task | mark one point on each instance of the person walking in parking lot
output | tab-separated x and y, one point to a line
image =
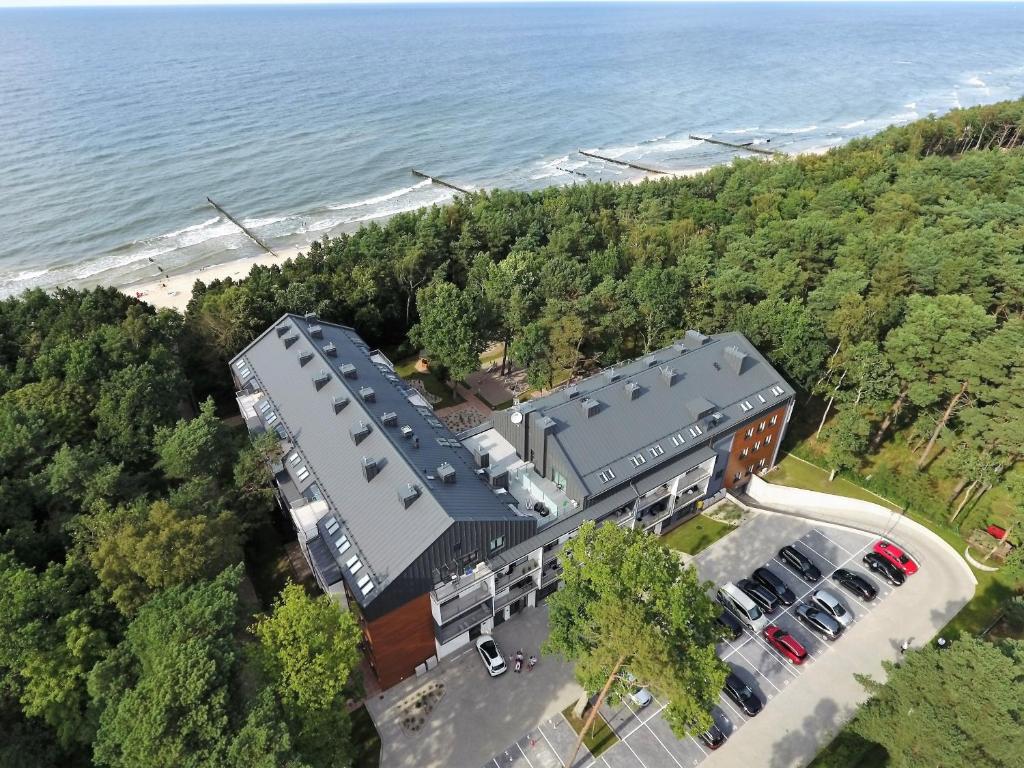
905	647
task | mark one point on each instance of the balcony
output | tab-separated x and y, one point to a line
463	623
518	571
464	602
514	594
552	572
453	587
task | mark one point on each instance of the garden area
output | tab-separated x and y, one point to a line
440	394
696	534
599	738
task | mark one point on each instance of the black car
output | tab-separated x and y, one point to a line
742	695
733	626
776	585
713	737
884	568
855	584
760	594
800	564
818	621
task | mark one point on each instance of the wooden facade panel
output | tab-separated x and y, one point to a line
748	452
400	640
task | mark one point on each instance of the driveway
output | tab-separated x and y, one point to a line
479	716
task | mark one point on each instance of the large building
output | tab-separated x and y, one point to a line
435	539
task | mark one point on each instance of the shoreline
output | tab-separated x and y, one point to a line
174	291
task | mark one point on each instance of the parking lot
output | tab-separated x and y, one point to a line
646	741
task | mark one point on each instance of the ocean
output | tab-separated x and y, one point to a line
117	123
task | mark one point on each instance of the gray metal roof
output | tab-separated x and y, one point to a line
628	433
372	520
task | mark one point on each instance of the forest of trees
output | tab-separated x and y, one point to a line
886	278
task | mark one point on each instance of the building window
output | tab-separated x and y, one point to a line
496	543
637	460
750	469
606	475
757	445
760	463
749	432
744	452
737	476
777	390
746	406
677	440
774	419
767	439
656	451
761	426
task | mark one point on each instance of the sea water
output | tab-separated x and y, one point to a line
117	123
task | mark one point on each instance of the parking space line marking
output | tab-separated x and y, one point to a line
805	546
553	750
699	745
759	673
523	752
496	763
634	753
834	543
775	655
663	745
728	703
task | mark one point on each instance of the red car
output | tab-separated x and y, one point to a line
785	643
896	556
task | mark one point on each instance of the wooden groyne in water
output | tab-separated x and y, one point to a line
636	166
745	147
251	235
442	182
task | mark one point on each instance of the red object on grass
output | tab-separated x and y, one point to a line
996	532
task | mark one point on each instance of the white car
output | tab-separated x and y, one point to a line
640	696
833	606
492	657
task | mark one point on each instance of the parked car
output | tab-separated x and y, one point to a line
785	643
855	584
640	696
775	584
713	737
830	603
818	621
727	620
897	556
742	695
493	660
884	568
744	610
800	564
760	594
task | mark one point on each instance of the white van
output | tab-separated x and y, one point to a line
742	607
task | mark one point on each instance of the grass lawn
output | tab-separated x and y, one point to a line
407	370
597	741
800	474
366	740
696	534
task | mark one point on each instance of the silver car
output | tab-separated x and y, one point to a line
830	603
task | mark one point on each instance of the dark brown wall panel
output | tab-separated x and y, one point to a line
400	640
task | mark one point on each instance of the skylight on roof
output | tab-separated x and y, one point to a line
352	561
656	451
240	364
761	398
363	580
271	417
367	588
606	475
777	390
294	458
332	526
677	439
746	406
357	567
343	544
265	406
302	474
637	460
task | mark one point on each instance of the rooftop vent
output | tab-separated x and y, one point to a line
482	457
289	340
321	379
340	401
316	331
590	406
330	349
699	407
359	431
611	374
310	317
305	356
694	339
368	394
406	431
736	359
668	375
370	468
545	424
389	419
651	361
632	390
283	329
408	493
348	371
572	391
446	472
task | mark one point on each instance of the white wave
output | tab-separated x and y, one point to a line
975	82
615	152
854	124
675	145
804	129
741	131
264	222
902	117
902	61
193	228
910	105
380	198
28	274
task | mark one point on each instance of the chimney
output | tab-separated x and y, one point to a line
330	349
590	406
368	394
316	331
283	329
408	493
289	340
310	317
735	359
632	390
348	371
339	402
305	356
389	419
370	468
321	379
483	458
668	375
447	473
694	339
359	431
611	374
